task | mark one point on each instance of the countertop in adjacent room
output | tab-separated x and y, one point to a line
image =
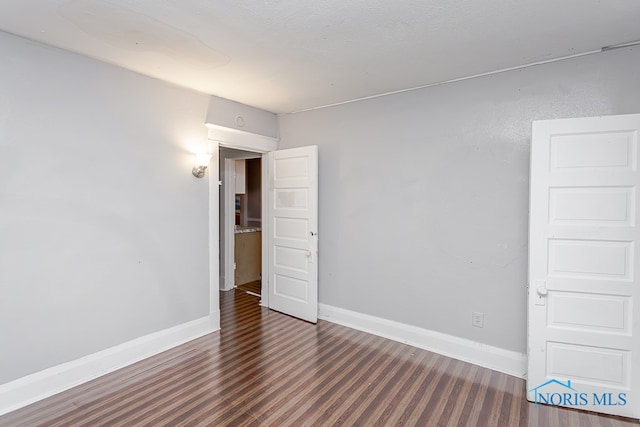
246	229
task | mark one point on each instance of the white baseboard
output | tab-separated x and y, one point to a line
26	390
497	359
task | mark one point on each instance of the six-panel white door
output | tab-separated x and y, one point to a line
583	264
293	232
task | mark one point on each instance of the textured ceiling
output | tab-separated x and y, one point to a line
290	55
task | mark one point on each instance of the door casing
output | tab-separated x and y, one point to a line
220	137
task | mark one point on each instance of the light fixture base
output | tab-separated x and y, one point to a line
198	171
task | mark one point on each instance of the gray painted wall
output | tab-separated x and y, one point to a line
103	229
424	194
233	115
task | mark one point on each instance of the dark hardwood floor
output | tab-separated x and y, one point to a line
254	287
268	369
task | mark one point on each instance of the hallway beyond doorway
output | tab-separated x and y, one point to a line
252	288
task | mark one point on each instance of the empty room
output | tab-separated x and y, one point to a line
280	213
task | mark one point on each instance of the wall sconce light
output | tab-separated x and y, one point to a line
202	161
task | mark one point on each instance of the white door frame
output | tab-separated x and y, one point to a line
226	257
219	136
214	237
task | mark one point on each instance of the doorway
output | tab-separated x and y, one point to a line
289	224
241	221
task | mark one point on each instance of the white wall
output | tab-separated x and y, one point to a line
231	115
103	229
424	194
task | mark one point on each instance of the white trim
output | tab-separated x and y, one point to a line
497	359
214	234
241	140
261	151
265	227
228	195
252	293
40	385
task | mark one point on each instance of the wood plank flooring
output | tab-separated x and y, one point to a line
255	287
268	369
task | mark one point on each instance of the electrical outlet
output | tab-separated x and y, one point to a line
477	319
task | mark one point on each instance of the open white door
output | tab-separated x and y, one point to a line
584	347
292	239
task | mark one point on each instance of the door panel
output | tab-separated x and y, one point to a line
589	312
591	206
293	244
583	265
614	149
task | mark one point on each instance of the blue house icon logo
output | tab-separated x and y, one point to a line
540	397
557	393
